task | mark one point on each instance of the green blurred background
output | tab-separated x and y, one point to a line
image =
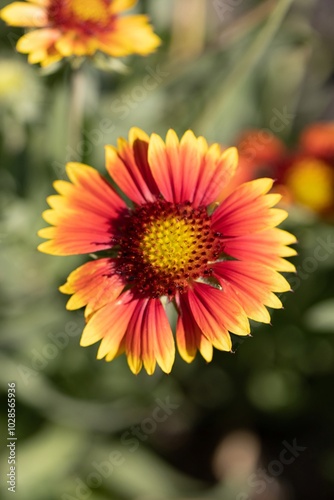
90	429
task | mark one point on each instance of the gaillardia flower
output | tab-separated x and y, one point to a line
177	244
304	175
79	28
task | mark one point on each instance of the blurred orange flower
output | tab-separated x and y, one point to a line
304	175
66	28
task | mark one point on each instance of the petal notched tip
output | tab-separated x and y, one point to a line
188	137
135	365
137	133
261	186
48	247
231	157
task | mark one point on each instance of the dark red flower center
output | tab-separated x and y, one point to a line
85	16
164	246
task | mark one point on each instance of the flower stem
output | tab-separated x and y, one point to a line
76	111
245	65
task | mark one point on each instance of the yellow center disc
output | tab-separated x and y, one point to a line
169	244
88	10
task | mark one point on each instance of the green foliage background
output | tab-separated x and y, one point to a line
237	67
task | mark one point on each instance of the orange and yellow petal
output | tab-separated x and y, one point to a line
160	333
93	285
43	3
171	164
149	339
37	56
130	35
45	57
227	311
248	210
71	44
217	171
266	248
252	285
187	170
24	14
109	325
83	214
134	340
137	326
118	6
38	40
128	166
217	314
189	336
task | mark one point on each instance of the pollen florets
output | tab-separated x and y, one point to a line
164	246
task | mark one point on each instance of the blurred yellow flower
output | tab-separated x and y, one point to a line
311	182
66	28
304	174
21	97
20	90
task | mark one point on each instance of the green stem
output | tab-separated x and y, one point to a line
76	110
244	67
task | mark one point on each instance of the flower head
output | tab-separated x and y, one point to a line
317	140
305	175
176	244
79	28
